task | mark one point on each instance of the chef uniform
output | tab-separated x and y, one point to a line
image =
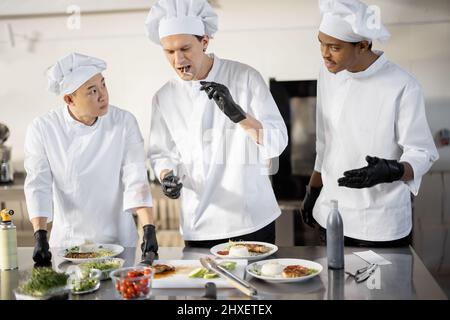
379	112
226	191
86	179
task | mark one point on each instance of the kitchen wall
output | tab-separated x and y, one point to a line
276	37
279	38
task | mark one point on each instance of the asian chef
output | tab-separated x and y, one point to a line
85	164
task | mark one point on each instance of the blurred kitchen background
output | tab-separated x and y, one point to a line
278	38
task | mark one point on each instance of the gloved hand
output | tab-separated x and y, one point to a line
41	254
171	185
149	242
378	171
224	100
312	193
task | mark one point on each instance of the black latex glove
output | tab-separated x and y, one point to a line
311	196
377	171
149	242
171	185
41	254
224	100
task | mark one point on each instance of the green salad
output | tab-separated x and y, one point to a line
83	284
84	280
102	265
43	281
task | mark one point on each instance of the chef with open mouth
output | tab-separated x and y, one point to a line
214	128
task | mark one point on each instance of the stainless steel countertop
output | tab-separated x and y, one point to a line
13	191
405	278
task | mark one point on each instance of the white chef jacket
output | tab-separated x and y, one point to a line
378	112
226	190
86	178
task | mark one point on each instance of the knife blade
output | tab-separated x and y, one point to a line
148	259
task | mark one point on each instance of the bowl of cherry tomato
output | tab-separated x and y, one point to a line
133	282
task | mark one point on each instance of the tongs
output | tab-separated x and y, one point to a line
363	273
238	283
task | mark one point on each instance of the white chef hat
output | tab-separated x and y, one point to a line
71	71
169	17
352	21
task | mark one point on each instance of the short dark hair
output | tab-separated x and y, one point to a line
355	43
199	38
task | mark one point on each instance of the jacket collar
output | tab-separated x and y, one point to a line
371	70
74	124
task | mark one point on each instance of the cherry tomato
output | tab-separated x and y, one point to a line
126	296
131	274
137	287
145	290
118	286
147	271
144	282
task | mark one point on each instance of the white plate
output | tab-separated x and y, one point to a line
250	257
115	248
285	262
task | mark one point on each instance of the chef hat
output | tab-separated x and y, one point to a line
71	71
168	17
351	21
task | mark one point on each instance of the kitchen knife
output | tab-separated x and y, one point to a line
148	259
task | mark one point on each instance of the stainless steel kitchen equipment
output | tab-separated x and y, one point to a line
6	169
240	284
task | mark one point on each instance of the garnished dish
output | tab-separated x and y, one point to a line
284	270
105	266
250	250
43	283
86	253
192	274
84	280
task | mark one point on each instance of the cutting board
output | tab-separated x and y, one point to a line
180	278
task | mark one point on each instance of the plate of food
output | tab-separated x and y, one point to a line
249	250
284	270
104	265
91	252
82	280
191	274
